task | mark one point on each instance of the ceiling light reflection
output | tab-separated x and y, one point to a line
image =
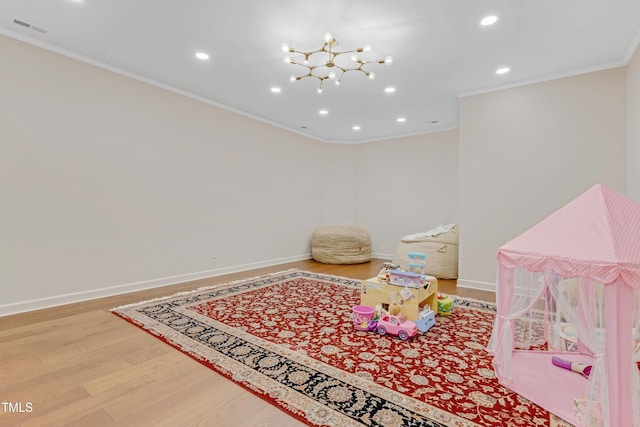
489	20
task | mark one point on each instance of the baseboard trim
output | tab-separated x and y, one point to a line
58	300
473	284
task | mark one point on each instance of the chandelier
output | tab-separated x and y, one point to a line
324	63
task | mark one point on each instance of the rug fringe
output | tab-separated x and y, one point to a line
203	288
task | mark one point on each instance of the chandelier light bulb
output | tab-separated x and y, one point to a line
292	78
354	57
332	75
338	82
371	75
327	37
388	60
287	59
366	48
285	47
319	90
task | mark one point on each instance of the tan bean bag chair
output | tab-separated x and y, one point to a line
440	244
341	244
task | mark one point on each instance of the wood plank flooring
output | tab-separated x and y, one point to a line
79	365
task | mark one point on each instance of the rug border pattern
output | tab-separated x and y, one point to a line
263	382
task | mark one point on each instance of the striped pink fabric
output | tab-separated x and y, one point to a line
597	235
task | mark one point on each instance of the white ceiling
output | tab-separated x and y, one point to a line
439	48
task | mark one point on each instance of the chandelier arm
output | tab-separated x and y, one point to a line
353	69
347	51
309	75
292	50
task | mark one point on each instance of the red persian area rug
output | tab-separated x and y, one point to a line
289	338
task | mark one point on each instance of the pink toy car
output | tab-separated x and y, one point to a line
396	325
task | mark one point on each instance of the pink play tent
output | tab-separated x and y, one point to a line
570	287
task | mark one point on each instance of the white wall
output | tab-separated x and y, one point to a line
406	185
527	151
340	184
633	127
109	185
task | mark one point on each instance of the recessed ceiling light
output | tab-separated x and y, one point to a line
401	119
356	127
390	89
489	20
323	112
202	55
276	89
503	70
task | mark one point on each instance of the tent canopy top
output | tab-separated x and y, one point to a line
597	235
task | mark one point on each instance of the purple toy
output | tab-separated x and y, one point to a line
580	368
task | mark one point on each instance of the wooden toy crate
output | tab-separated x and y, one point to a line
375	291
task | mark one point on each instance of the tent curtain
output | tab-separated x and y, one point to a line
544	310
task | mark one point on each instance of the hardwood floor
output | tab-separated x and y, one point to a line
79	365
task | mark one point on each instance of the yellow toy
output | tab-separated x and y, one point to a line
394	308
445	304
